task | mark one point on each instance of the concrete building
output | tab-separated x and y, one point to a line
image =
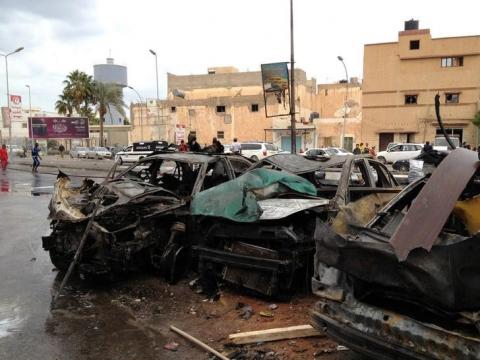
223	103
401	79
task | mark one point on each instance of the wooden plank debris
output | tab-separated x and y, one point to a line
290	332
198	342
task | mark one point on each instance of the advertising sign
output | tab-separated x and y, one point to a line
276	85
58	128
179	133
16	113
5	117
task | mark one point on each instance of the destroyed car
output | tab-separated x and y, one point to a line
265	243
406	285
139	217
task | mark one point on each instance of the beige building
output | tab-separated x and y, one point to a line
330	104
226	104
402	78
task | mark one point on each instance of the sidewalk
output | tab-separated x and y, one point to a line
54	161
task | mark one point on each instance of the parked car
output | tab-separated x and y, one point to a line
140	216
259	150
323	153
405	285
266	244
139	150
16	150
339	151
99	152
441	144
79	152
400	152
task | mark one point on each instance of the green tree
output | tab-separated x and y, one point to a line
79	88
106	96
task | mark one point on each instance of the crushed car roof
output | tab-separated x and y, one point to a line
297	164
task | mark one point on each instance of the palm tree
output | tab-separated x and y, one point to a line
64	105
106	96
79	88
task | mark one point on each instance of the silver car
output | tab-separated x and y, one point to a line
78	152
99	152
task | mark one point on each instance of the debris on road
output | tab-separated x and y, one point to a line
291	332
198	342
172	346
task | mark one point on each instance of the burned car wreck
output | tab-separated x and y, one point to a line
139	217
268	246
406	285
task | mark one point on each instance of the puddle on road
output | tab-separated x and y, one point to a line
10	320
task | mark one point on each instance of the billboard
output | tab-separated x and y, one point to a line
5	117
16	113
276	89
58	128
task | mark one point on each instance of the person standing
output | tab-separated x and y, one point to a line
427	147
183	147
361	147
236	147
357	150
4	157
366	149
373	153
193	145
36	158
61	149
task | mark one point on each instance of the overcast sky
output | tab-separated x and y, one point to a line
190	35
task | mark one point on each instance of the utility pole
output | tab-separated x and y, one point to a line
158	94
342	143
30	111
293	132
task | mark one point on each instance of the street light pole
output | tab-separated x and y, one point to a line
293	132
158	95
141	110
8	97
345	103
30	110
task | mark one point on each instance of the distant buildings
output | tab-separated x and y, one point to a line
402	78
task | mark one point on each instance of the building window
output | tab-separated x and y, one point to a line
414	44
24	125
220	108
191	112
326	92
173	109
220	135
452	61
192	134
452	98
411	99
254	107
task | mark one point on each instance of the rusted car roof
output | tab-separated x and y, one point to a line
297	164
430	210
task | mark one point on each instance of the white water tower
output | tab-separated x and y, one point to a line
116	74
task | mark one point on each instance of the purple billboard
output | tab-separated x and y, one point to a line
58	128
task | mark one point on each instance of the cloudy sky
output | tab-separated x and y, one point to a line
190	35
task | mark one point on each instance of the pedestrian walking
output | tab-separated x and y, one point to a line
183	147
36	158
61	149
4	157
236	147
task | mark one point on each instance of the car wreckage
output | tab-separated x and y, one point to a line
137	218
257	231
406	285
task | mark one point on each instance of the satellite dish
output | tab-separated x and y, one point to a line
178	93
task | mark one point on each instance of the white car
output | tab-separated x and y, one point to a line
339	151
400	152
318	152
259	150
16	150
127	155
99	152
79	152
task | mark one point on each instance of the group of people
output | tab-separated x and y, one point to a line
35	157
215	147
364	149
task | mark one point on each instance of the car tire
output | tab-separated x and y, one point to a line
382	159
254	158
120	160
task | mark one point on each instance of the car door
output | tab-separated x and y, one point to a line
394	154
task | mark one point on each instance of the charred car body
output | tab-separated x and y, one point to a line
406	285
141	216
273	252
